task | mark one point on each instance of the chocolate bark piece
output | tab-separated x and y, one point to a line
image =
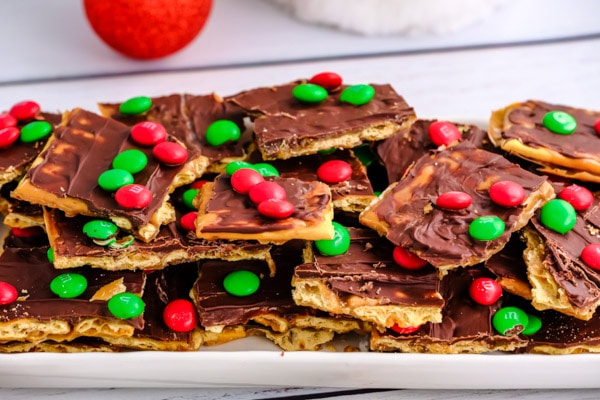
285	127
518	129
510	268
270	311
65	175
366	283
19	214
466	326
404	148
407	214
350	196
187	118
559	277
225	214
38	314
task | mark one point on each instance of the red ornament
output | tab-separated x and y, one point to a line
170	153
8	136
8	293
406	330
276	209
133	196
266	190
25	110
243	179
485	291
334	171
580	198
328	80
30	231
507	193
188	221
148	133
147	29
454	200
443	133
591	255
180	315
7	120
407	259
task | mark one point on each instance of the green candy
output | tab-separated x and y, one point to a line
222	131
336	246
488	227
560	122
357	94
100	229
136	105
266	169
235	165
364	154
510	321
188	198
50	254
68	286
132	160
327	151
126	305
122	243
309	93
113	179
558	215
533	326
34	131
241	283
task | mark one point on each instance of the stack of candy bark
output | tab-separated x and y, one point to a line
301	213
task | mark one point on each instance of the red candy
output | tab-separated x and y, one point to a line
198	184
579	197
454	200
243	179
8	136
407	330
25	110
170	153
443	133
27	232
597	126
507	193
7	120
133	196
180	315
148	133
485	291
334	171
277	209
591	255
188	221
406	259
266	190
328	80
8	293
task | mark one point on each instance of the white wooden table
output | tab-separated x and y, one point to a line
466	75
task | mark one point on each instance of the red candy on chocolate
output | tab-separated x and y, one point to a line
277	209
25	110
485	291
8	293
188	221
8	136
266	190
407	330
170	153
507	193
30	231
133	196
243	179
591	255
328	80
148	133
580	198
334	171
7	120
454	200
406	259
443	133
198	184
180	315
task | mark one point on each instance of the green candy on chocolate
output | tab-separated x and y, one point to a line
336	246
560	122
364	154
35	131
132	160
357	94
266	169
100	229
113	179
488	227
534	324
309	93
68	286
126	305
241	283
136	105
188	198
222	131
558	215
50	254
235	165
509	321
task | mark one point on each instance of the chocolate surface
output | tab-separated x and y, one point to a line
508	263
